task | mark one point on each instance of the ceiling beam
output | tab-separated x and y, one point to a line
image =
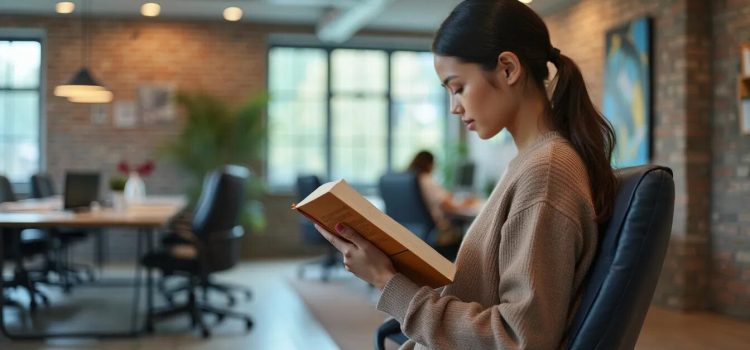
338	26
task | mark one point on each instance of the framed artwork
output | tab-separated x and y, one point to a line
745	60
743	89
124	115
627	90
156	103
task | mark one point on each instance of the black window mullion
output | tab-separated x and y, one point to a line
389	118
329	117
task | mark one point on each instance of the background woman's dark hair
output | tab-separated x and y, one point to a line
477	31
422	162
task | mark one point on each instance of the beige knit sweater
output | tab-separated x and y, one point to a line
520	266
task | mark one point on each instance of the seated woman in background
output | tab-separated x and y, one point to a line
439	200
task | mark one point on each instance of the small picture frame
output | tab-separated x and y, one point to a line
745	116
745	61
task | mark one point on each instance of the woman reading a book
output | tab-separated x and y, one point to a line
520	268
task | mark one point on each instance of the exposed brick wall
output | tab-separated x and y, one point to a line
225	59
730	192
681	129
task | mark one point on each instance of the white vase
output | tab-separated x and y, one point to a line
118	201
135	189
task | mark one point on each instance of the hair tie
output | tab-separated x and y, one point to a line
554	55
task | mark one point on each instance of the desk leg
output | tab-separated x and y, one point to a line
137	284
149	284
2	284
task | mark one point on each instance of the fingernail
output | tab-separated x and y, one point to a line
339	227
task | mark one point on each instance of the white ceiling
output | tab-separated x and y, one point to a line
408	15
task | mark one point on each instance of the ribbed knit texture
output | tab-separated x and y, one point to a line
520	267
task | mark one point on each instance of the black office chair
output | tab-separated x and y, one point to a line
20	244
623	276
306	184
42	186
217	247
180	233
405	203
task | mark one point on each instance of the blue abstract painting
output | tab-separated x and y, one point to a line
627	91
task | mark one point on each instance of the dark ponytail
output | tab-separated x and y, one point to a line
477	31
575	116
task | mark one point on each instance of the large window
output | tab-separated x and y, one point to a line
351	113
20	75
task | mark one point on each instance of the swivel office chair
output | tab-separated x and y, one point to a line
216	225
404	202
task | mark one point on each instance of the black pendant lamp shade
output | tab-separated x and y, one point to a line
83	88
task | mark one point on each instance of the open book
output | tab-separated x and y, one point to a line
337	202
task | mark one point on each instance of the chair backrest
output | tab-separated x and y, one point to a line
6	190
404	202
217	216
42	186
631	251
306	184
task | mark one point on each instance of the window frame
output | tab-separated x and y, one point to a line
23	188
388	50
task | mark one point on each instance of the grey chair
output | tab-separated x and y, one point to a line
306	184
404	202
218	234
623	276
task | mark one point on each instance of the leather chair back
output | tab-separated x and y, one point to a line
306	184
217	217
42	186
6	190
623	277
404	202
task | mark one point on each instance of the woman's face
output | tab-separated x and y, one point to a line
484	107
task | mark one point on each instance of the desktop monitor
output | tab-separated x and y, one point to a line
80	190
465	176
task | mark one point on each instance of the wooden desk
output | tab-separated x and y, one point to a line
146	217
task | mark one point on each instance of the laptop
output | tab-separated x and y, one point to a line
81	188
465	177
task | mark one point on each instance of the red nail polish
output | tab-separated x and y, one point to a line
339	227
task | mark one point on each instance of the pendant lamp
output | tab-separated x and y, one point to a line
82	87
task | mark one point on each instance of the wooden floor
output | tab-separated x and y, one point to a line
667	329
283	321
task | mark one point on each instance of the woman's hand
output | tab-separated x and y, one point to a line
361	257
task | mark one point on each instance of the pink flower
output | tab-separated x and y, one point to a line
123	167
144	169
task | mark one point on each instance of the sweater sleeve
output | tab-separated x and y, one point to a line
538	254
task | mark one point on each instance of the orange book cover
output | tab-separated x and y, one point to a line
337	202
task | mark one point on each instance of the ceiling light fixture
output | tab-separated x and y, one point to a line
526	1
150	9
83	88
65	7
232	14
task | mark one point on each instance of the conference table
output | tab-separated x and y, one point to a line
143	217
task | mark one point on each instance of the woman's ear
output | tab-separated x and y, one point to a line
508	67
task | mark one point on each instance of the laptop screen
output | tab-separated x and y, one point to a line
80	190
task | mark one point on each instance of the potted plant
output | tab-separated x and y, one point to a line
216	134
117	187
